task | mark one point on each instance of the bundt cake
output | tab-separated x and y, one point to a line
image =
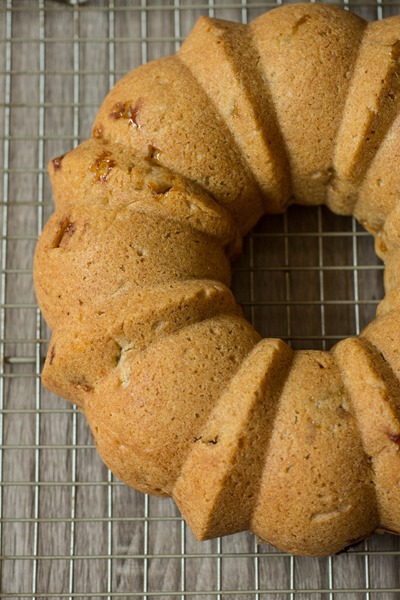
132	273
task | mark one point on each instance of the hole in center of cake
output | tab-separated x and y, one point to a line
308	277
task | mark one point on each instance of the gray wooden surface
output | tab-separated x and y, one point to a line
68	529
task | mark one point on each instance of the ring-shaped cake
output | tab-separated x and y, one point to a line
132	273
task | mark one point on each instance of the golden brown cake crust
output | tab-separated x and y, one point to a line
132	273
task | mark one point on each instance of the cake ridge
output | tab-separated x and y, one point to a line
225	449
305	54
144	185
377	203
150	457
167	87
331	199
312	498
252	122
378	417
380	107
133	324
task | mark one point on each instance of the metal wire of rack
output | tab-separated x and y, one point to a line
68	529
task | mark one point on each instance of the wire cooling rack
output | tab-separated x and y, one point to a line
68	528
